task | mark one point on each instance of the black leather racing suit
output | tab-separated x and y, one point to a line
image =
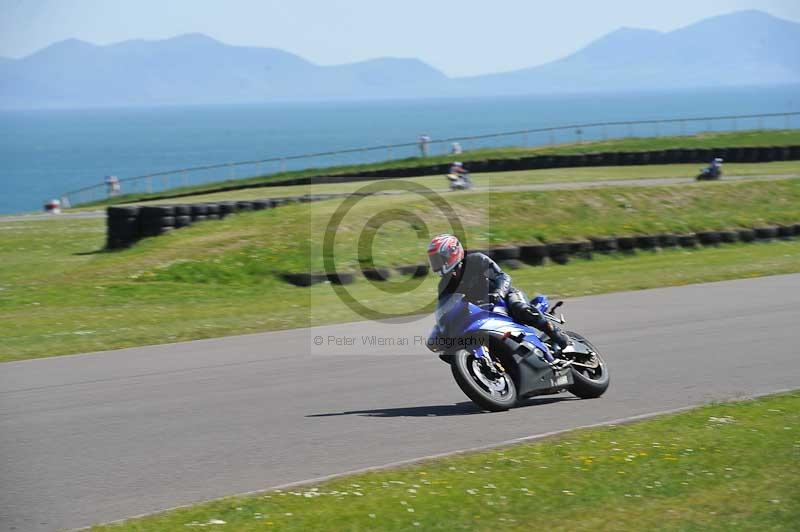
480	279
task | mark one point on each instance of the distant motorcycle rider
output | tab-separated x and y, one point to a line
480	279
716	166
457	169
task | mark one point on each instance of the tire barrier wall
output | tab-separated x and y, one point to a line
513	257
538	162
127	224
672	156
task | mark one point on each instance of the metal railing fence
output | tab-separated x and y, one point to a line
535	137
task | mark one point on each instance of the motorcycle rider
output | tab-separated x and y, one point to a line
457	168
480	279
714	169
458	176
716	166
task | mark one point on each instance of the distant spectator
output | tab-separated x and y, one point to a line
424	140
112	184
53	206
455	148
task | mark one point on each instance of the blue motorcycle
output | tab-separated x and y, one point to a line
497	362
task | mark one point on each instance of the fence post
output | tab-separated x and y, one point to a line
283	165
552	137
389	154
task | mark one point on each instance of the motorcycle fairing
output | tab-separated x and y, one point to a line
457	317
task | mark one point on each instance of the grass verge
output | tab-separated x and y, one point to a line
252	247
703	140
60	295
729	466
57	297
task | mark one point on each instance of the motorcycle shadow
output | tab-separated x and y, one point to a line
465	408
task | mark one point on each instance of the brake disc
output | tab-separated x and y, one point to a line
495	385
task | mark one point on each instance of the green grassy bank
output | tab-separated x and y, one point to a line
57	296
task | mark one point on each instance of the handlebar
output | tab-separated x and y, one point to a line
558	319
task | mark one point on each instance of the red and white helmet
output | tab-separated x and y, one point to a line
445	253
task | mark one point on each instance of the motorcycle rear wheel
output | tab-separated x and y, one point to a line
492	394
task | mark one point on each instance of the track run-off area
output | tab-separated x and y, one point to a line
103	436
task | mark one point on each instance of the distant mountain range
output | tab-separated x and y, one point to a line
742	48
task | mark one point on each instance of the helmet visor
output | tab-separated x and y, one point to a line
437	262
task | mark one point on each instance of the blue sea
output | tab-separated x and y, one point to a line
45	153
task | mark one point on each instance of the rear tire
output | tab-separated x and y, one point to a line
586	384
461	366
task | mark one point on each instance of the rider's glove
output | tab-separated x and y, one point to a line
494	298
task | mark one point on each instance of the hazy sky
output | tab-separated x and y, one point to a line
459	37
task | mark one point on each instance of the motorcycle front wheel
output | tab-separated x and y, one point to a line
489	390
591	379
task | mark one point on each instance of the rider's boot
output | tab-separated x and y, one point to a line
560	342
558	338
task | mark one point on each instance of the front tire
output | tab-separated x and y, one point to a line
589	383
486	391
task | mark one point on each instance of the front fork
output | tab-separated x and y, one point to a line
482	353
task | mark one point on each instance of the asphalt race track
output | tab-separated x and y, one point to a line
98	437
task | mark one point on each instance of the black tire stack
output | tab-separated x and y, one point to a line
226	208
212	211
534	254
414	270
183	216
128	224
155	220
122	227
199	212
